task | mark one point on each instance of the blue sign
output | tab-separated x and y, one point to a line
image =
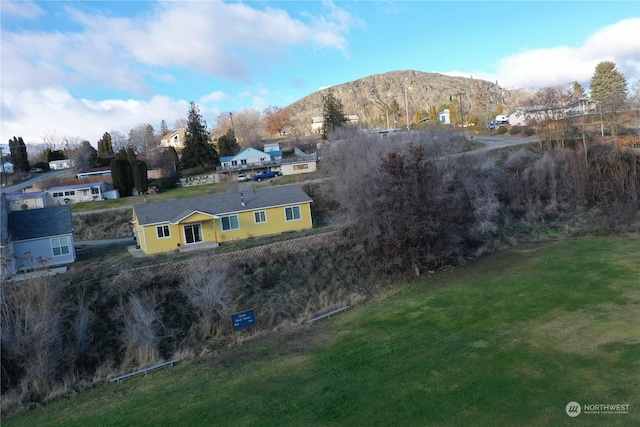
243	320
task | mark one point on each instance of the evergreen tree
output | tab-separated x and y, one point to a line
163	128
333	113
609	88
227	144
607	83
140	180
105	147
122	176
577	91
433	114
19	156
197	151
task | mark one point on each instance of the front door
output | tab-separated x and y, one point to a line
192	233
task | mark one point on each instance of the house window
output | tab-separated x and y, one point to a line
70	193
60	246
243	161
234	163
230	223
260	217
292	213
58	194
95	190
192	233
163	231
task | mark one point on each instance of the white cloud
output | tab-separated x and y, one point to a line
229	41
215	96
56	110
561	65
22	9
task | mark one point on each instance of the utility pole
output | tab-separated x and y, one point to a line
406	104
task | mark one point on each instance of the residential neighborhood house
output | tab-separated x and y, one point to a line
317	122
87	192
251	160
204	222
60	164
27	200
6	167
174	139
35	239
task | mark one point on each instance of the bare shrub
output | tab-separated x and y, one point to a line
207	291
32	334
140	318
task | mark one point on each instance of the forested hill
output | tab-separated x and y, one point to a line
372	98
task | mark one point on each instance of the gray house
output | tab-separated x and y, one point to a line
36	238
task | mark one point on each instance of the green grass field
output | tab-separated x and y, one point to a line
507	340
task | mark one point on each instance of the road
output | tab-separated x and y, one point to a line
16	188
494	142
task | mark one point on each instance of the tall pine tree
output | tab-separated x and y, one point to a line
609	88
333	113
19	156
197	151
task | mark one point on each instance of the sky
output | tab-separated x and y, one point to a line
77	69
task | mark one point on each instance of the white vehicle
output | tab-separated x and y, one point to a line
242	177
501	119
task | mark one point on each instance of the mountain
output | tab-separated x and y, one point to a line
373	98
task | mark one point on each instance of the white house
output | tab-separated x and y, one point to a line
6	167
317	122
444	117
27	200
60	164
246	159
174	139
88	192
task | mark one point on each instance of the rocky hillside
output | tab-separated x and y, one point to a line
373	98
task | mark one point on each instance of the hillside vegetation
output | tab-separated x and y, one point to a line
509	339
372	97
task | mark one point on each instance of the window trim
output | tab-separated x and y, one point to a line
228	218
293	210
260	217
164	227
56	243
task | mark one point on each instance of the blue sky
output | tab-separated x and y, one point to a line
74	70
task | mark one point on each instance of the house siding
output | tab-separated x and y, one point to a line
38	253
211	228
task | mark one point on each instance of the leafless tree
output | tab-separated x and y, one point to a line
118	140
545	111
140	318
32	332
247	127
207	291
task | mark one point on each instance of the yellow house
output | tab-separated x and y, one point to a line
203	222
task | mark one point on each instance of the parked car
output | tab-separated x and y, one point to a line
242	177
153	189
265	175
36	170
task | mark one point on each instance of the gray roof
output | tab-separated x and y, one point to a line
220	204
38	223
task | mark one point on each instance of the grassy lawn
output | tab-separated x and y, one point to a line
508	340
